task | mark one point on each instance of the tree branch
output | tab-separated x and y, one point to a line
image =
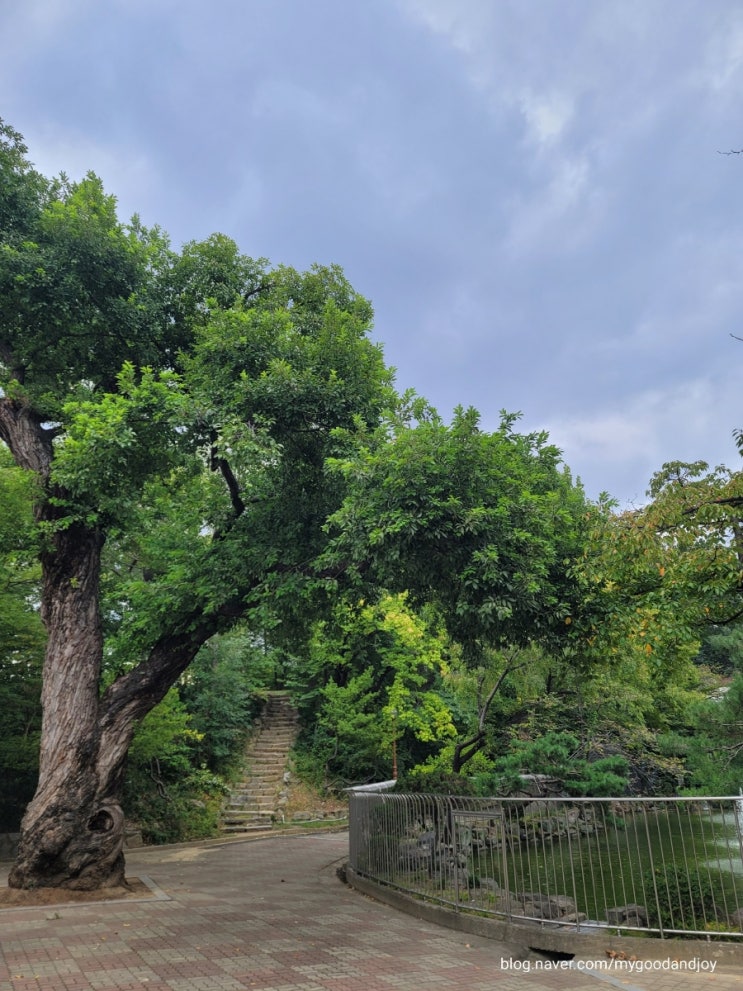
138	691
29	442
233	486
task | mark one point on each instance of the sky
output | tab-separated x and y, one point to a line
534	194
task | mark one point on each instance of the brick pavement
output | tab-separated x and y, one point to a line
271	915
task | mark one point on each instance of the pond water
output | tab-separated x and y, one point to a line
682	861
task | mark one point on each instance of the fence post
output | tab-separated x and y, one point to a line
504	861
652	869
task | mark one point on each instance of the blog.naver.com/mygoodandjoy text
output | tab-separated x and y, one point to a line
615	966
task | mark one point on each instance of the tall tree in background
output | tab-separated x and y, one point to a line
179	409
654	579
487	524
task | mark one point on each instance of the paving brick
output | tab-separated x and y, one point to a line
270	915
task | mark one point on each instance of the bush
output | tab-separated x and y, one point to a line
174	810
687	898
436	782
555	755
169	797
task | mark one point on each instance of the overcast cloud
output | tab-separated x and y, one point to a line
529	191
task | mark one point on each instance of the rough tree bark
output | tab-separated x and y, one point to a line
72	834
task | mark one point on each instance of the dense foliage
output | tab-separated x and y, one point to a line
21	644
209	485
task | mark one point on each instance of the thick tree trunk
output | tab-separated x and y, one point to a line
72	832
73	829
72	835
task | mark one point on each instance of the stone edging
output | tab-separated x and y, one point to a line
549	939
157	894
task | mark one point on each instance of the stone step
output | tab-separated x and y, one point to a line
261	812
245	800
252	827
253	802
240	815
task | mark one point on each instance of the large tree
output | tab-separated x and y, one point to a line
176	411
182	414
487	524
654	579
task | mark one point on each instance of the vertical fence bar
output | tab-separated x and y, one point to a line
652	870
678	860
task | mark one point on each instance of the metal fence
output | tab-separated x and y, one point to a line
668	866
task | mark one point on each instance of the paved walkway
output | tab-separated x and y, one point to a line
271	915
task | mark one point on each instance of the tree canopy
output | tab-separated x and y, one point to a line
194	439
176	411
486	523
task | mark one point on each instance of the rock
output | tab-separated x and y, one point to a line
538	906
489	884
538	910
628	915
564	902
413	854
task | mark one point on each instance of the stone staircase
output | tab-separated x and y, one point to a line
254	803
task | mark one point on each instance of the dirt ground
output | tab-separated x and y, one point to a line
30	897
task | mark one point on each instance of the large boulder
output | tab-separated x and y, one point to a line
628	915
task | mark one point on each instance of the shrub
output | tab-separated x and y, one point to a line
687	898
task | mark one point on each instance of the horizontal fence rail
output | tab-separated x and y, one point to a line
667	866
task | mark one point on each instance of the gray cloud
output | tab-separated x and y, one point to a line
533	201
